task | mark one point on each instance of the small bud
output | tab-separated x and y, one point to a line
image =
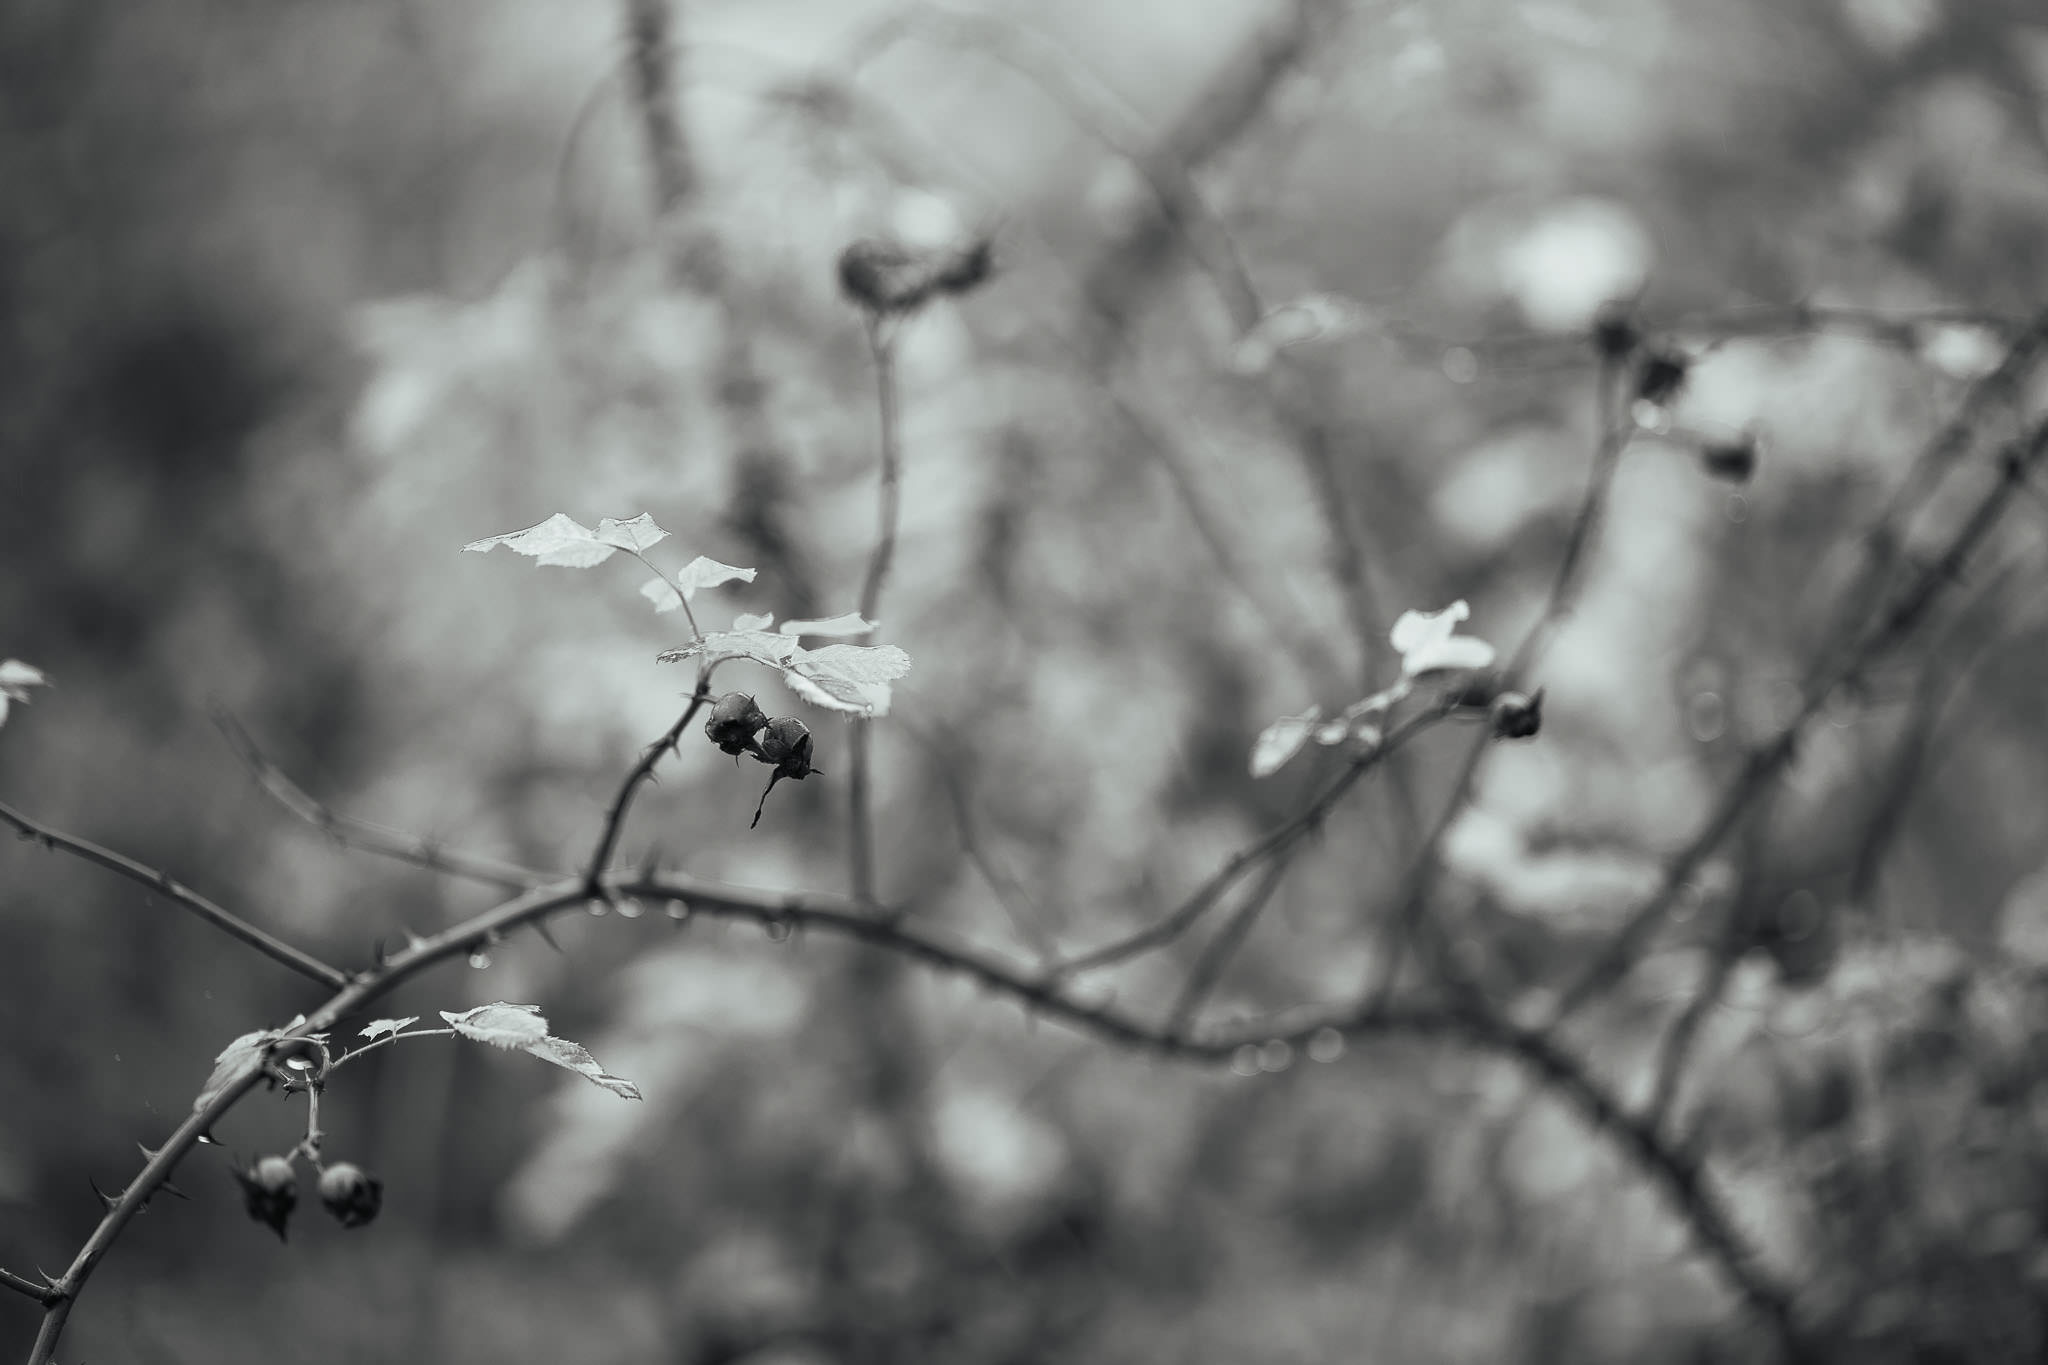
734	719
1517	715
1730	461
352	1195
270	1190
1661	377
882	277
1614	335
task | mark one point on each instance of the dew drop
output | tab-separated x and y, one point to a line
1706	716
778	930
1245	1061
1276	1055
1325	1045
596	906
630	908
479	959
679	911
1738	508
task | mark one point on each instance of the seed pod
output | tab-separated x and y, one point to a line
270	1190
1731	461
883	277
787	744
734	720
1614	335
351	1194
1517	715
1661	377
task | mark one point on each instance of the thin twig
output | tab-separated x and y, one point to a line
366	836
1273	844
34	1289
651	50
1610	441
163	884
1216	956
622	803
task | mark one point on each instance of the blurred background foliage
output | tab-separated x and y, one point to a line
296	298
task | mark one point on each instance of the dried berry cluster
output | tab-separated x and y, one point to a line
270	1191
739	726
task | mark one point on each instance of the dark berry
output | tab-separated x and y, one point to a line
270	1191
734	720
352	1195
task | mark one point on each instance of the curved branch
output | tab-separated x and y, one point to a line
163	884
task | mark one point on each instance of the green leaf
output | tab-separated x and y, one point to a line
377	1028
563	541
521	1028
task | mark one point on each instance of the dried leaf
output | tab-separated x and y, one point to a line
377	1028
521	1028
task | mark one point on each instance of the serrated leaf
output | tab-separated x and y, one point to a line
636	534
233	1060
850	678
560	540
832	627
1282	740
839	694
377	1028
855	663
702	572
759	645
521	1028
746	623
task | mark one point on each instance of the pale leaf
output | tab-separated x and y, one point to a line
702	572
661	594
751	622
636	534
560	540
377	1028
856	663
759	645
520	1028
1282	740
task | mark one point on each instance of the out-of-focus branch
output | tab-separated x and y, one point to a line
889	477
2016	463
651	52
367	836
163	884
1275	844
1215	958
